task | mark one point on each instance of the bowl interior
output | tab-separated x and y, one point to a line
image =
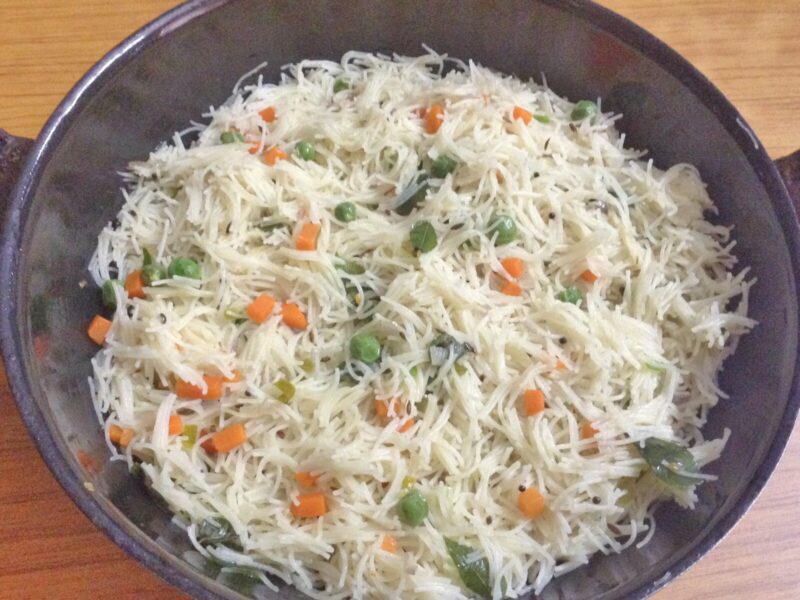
583	51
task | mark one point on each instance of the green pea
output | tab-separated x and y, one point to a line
345	212
231	137
365	347
151	273
584	109
505	228
109	297
571	294
409	482
413	508
442	166
542	118
351	267
308	365
341	84
184	267
423	236
305	150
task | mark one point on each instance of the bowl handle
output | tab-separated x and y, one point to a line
789	168
13	151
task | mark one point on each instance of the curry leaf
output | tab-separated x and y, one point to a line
411	196
473	568
423	236
671	463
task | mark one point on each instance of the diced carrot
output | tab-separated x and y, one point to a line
384	407
589	276
268	114
521	113
588	431
98	329
273	155
560	365
513	266
307	238
534	402
261	308
229	438
115	433
531	503
134	285
406	425
175	425
189	391
389	544
511	288
500	177
305	478
309	505
121	437
434	118
254	147
126	437
293	316
207	445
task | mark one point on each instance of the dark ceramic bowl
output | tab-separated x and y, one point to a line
170	71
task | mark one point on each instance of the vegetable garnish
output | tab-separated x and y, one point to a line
572	295
504	229
413	508
434	117
534	402
522	114
513	266
345	212
273	155
184	267
189	391
134	285
423	236
531	503
671	463
472	566
261	308
365	348
585	109
305	150
229	438
411	196
309	505
293	316
306	479
268	114
98	329
307	238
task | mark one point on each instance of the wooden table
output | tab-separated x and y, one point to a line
749	48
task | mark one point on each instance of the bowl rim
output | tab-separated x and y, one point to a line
135	542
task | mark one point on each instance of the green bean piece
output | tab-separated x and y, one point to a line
109	296
287	390
341	84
